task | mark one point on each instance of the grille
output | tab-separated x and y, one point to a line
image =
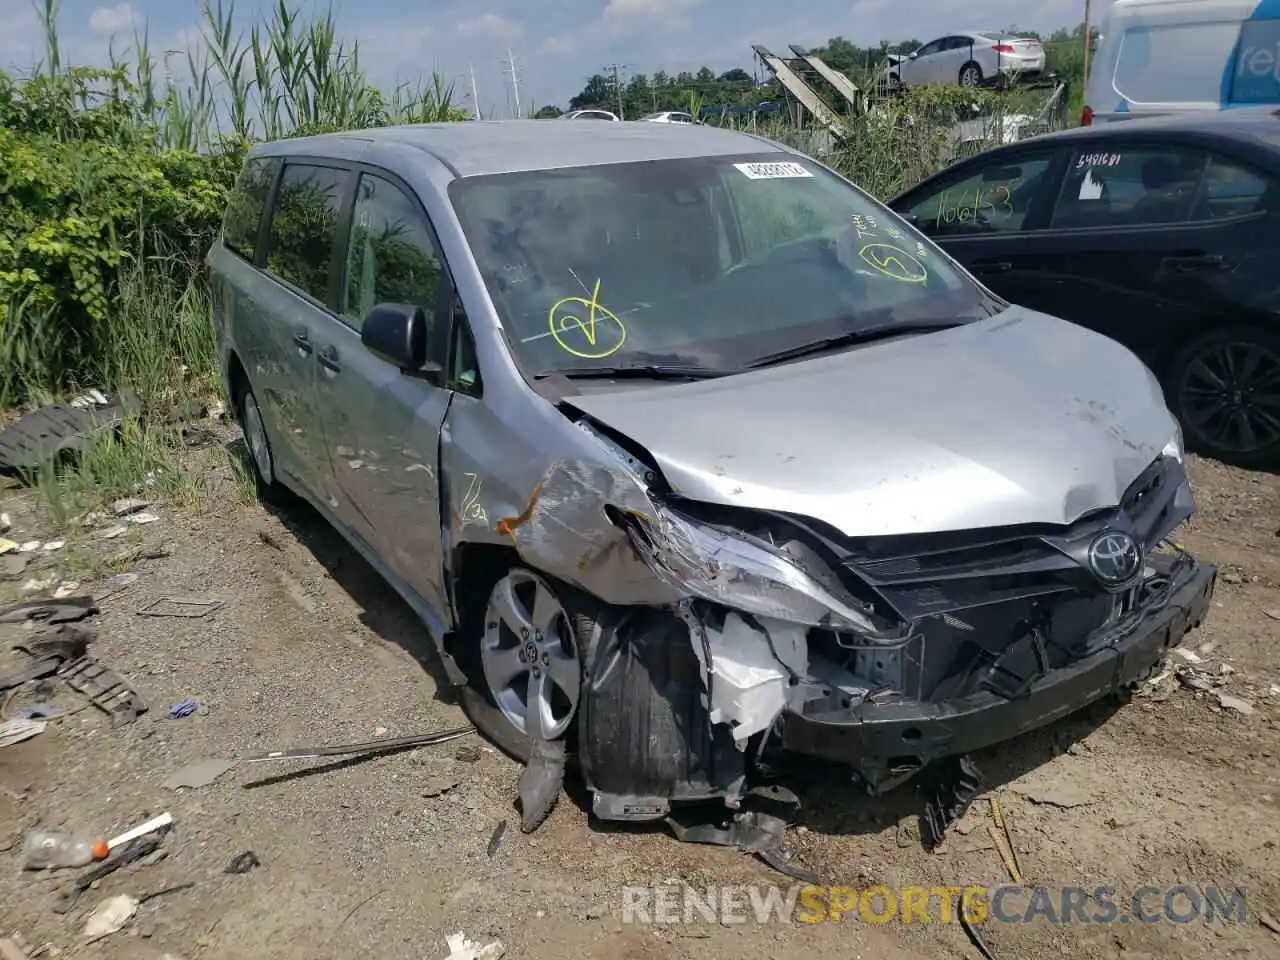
995	607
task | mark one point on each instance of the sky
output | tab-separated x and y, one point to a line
556	44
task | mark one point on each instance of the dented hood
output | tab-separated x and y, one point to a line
1020	418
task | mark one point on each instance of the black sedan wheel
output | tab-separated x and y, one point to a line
1225	389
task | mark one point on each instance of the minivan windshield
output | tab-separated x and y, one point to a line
712	262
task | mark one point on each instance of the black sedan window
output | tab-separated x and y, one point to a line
993	199
1129	187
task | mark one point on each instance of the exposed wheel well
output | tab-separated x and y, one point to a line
476	567
237	381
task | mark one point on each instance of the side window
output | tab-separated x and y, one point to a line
959	43
1175	62
1229	190
464	369
304	227
247	203
391	256
1129	187
996	199
930	48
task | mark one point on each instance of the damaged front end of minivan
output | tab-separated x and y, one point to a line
727	638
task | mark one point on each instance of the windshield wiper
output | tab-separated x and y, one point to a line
651	371
850	337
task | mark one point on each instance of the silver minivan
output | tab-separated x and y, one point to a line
691	456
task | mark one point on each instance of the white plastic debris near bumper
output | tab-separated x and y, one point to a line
750	670
460	948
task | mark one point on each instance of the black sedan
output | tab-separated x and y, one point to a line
1161	233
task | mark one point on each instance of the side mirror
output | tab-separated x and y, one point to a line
399	334
913	54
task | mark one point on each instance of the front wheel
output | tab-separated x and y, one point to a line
524	667
1224	388
970	75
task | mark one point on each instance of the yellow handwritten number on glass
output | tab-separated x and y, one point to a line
894	262
564	320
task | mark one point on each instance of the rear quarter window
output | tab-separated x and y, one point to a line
1175	63
245	206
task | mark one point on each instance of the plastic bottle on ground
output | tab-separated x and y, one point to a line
47	849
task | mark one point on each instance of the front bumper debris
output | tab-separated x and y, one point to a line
915	734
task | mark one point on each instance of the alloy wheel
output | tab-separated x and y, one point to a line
1229	394
970	76
529	656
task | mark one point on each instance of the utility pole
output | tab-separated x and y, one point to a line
617	83
475	97
1088	42
515	84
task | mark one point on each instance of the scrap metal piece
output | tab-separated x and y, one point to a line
175	607
777	858
105	689
36	671
242	863
757	831
63	642
373	746
975	937
51	431
540	783
495	841
48	610
949	786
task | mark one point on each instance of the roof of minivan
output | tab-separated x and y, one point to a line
478	147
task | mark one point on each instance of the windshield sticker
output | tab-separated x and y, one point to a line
1098	160
1090	189
772	171
894	262
584	328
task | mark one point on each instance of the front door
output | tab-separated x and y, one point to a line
1121	222
985	216
917	70
383	424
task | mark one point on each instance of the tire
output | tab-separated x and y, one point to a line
970	75
261	458
1221	382
500	710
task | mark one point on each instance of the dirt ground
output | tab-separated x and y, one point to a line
384	857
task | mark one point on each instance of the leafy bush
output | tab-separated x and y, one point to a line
112	187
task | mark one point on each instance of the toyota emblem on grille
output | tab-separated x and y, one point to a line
1114	557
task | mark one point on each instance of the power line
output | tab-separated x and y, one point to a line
513	72
614	68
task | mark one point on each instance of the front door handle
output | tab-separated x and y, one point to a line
302	340
991	266
329	359
1194	263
